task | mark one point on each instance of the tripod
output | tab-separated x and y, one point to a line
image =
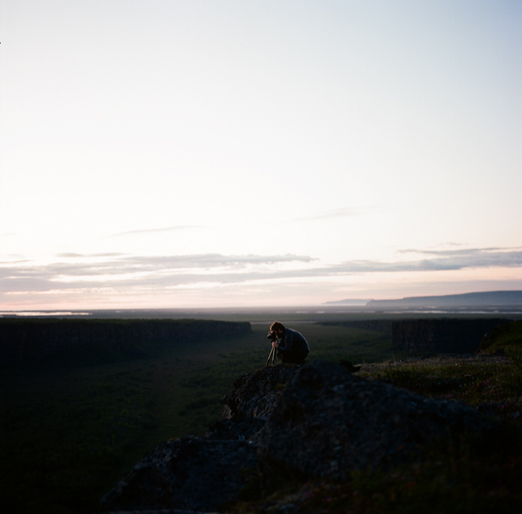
271	357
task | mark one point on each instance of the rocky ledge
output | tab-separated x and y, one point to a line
286	423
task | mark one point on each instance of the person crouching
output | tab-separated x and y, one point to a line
291	346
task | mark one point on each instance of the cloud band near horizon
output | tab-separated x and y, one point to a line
92	271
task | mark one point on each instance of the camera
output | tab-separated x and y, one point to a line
272	336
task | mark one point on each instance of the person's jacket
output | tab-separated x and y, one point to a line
293	340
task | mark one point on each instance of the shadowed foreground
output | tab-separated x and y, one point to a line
285	428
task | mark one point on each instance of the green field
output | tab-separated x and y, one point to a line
71	431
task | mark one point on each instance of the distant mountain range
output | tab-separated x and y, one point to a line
487	299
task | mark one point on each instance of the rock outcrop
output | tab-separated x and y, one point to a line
328	423
255	393
189	474
292	423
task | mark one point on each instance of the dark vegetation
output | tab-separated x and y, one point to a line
75	423
73	426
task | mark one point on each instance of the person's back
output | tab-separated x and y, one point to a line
292	346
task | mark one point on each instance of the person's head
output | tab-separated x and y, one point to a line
278	328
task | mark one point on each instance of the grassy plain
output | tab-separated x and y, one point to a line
71	430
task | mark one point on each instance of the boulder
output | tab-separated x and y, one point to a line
255	393
195	474
329	422
238	429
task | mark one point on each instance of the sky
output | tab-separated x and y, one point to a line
205	153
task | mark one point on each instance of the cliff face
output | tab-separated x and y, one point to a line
442	335
28	341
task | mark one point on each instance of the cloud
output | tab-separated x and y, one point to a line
156	230
71	255
465	258
130	272
334	214
327	215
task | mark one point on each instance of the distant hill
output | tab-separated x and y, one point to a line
490	299
354	303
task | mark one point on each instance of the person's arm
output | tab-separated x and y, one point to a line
288	341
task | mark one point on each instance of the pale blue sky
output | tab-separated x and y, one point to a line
229	153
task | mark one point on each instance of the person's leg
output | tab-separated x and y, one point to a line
300	357
294	357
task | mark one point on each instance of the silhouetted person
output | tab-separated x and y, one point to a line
290	345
